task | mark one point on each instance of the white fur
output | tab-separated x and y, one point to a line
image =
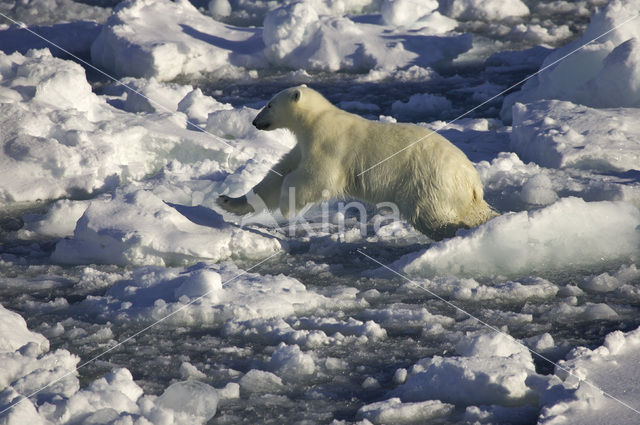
433	183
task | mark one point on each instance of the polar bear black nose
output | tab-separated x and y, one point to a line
260	125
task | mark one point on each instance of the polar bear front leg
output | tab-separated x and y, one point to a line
270	187
302	187
268	190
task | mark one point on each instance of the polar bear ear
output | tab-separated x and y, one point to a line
295	96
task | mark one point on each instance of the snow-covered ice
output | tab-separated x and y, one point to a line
297	35
559	134
138	228
569	234
490	10
576	395
110	232
599	68
485	361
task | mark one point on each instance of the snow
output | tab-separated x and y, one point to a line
568	234
291	363
191	398
195	296
109	227
576	396
137	227
394	411
14	333
606	282
402	12
179	40
67	140
482	374
488	10
604	73
297	35
560	134
420	105
259	381
115	396
219	8
46	12
59	220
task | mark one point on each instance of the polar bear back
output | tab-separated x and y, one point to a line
421	172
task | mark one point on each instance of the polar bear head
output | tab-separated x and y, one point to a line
289	108
279	111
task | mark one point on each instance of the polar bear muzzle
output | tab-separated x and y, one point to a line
260	122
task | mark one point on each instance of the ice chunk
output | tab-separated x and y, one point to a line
206	284
235	123
565	312
150	295
571	233
538	190
297	37
59	221
164	39
401	317
31	369
152	96
421	106
285	28
394	411
606	282
115	392
22	412
400	376
494	344
194	398
492	370
540	343
559	134
276	330
197	106
59	139
603	73
505	176
220	8
137	227
608	368
14	333
368	330
535	33
618	82
405	12
189	371
311	35
487	10
115	397
291	363
536	288
370	383
259	381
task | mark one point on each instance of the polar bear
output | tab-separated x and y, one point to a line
434	185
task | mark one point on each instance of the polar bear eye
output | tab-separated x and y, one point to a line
269	106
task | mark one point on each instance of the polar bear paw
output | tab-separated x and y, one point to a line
238	206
